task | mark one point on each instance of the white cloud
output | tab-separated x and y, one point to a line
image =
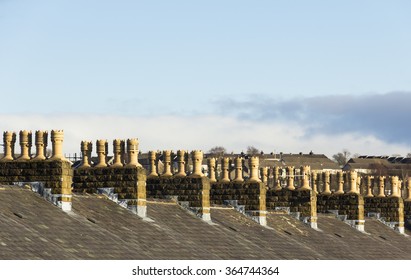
384	115
199	132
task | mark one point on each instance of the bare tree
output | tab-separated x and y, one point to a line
342	157
217	151
251	150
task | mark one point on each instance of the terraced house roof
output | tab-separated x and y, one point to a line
97	228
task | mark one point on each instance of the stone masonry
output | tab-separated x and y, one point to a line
51	177
300	203
124	182
248	197
192	193
298	191
348	207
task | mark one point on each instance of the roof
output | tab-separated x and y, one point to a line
315	161
392	165
97	228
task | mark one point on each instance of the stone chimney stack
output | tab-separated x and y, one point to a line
211	169
152	156
276	175
117	151
394	187
381	186
167	164
369	186
340	178
54	175
86	148
253	163
8	142
57	137
264	174
314	179
327	190
132	152
197	157
225	167
290	174
353	181
24	144
101	153
305	171
40	146
181	163
238	170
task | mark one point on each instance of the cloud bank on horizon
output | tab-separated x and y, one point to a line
373	124
385	116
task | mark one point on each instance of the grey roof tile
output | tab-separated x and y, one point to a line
97	228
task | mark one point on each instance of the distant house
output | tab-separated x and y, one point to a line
319	162
380	165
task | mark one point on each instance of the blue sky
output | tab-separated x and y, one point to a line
231	73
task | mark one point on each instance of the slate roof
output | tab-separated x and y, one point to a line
389	166
97	228
315	161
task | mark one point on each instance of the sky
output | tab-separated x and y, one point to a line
283	76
